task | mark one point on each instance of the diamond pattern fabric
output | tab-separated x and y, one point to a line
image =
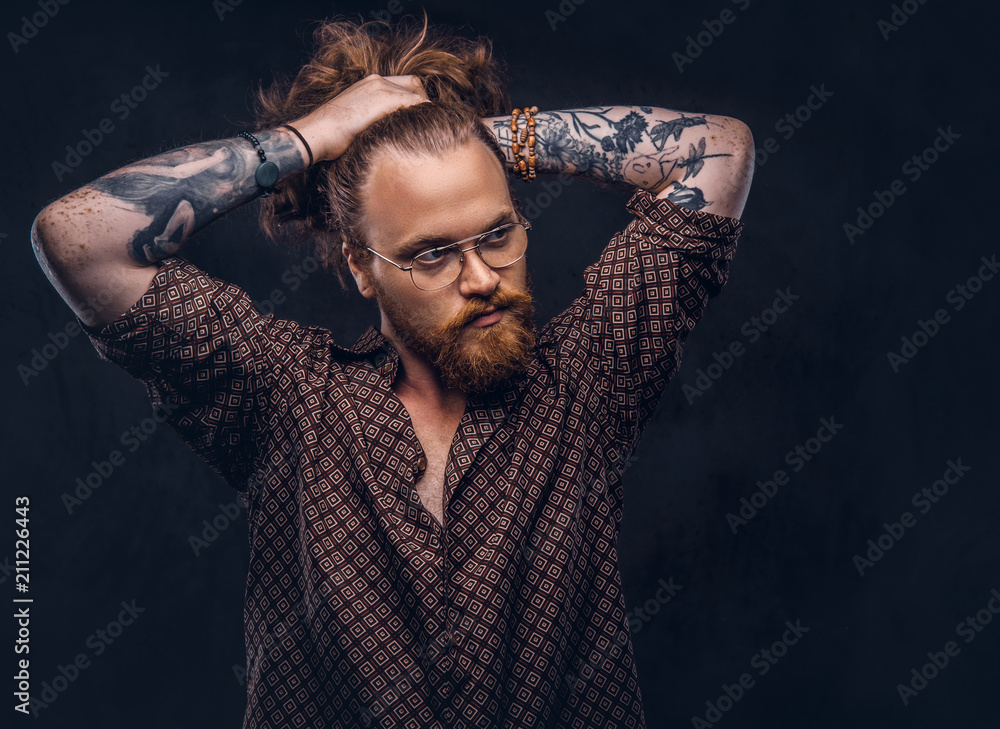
361	610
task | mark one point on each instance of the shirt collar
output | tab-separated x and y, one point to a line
374	347
368	342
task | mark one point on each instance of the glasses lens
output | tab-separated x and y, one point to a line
437	268
501	247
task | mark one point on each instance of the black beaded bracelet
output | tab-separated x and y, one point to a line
267	174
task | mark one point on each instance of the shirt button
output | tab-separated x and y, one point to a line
421	464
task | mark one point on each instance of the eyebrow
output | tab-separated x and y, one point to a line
435	241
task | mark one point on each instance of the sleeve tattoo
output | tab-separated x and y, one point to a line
639	148
184	190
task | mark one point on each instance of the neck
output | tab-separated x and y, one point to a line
419	379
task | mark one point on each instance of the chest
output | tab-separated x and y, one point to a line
435	429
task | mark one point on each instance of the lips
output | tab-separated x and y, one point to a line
490	316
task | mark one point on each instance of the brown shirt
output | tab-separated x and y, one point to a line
361	610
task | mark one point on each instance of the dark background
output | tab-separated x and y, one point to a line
825	357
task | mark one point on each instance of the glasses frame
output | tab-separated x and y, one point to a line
478	238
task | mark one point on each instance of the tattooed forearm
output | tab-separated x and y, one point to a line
184	190
624	146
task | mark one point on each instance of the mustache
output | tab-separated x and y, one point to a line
500	299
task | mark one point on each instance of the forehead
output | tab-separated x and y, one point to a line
451	196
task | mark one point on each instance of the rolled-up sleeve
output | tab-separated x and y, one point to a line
203	352
621	340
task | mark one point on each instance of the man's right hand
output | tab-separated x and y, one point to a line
330	129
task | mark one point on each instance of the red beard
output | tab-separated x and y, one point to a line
471	359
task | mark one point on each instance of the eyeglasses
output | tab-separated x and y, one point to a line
436	268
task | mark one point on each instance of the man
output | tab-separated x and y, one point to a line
434	511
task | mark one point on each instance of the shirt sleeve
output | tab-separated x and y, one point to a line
622	339
203	352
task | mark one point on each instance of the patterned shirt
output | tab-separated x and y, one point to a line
361	610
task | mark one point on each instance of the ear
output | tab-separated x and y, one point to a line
360	276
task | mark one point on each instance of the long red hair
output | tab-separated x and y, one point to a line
461	77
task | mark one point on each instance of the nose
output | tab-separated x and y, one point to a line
477	279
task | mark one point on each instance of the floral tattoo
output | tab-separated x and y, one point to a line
622	146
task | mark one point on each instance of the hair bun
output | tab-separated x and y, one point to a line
454	71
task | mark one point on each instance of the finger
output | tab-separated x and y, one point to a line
410	83
414	100
415	97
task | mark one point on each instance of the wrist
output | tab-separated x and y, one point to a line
499	128
304	142
316	138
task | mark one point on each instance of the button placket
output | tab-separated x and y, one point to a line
420	466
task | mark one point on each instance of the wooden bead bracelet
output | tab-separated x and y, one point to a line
524	164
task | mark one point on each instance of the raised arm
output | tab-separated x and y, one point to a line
699	161
101	242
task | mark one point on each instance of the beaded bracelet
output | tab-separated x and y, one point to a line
524	164
267	174
528	135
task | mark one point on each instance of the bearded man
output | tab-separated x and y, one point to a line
433	512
